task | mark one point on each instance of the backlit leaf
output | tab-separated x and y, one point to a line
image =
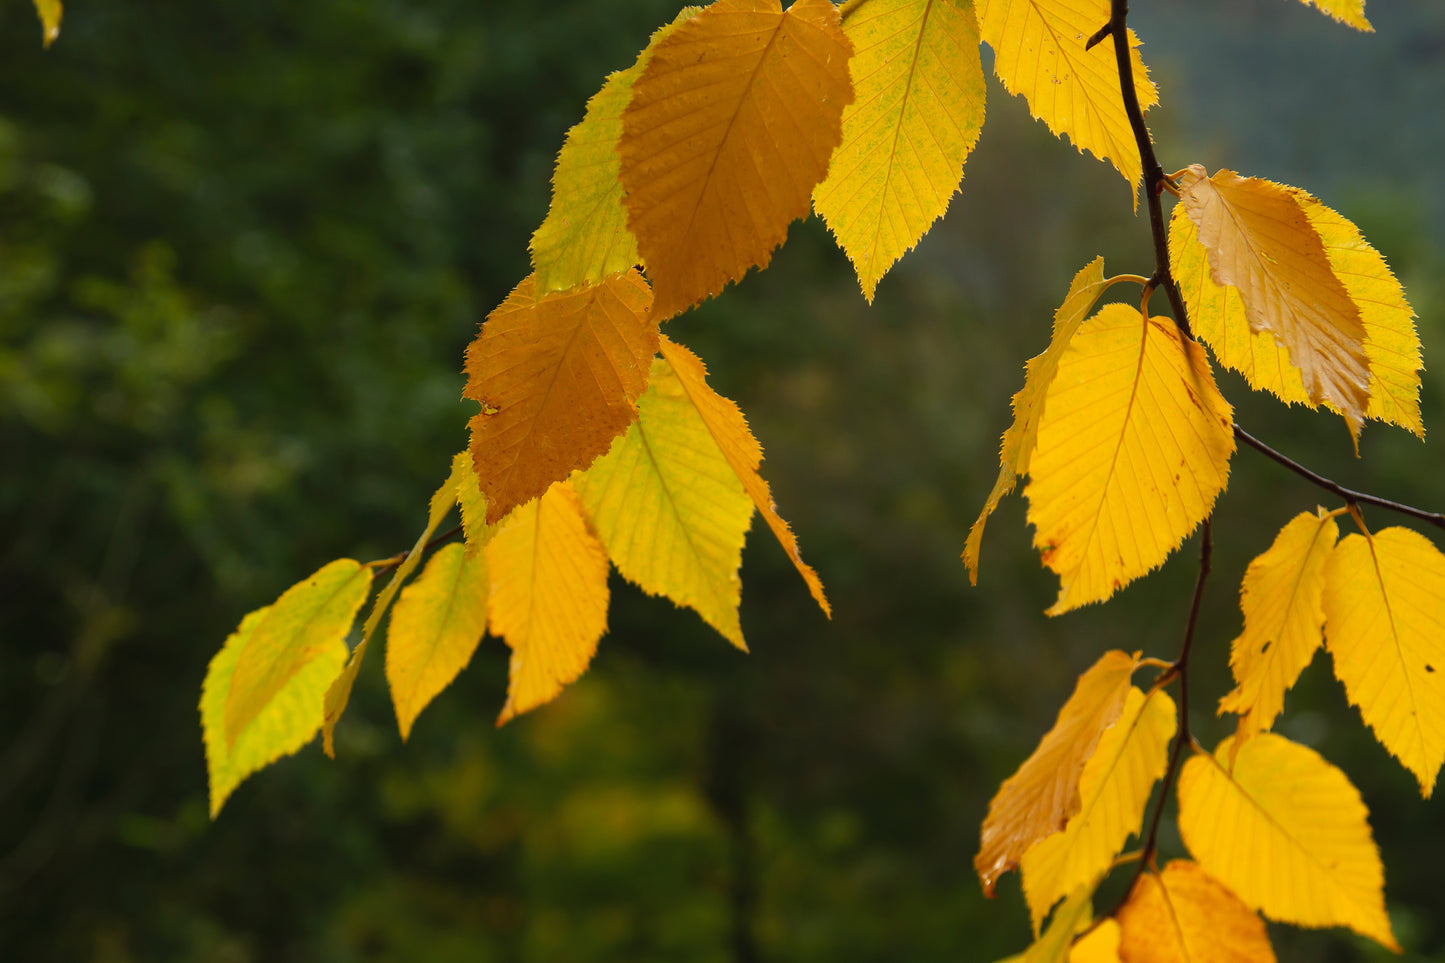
920	94
1392	346
1114	789
1038	799
305	621
585	236
730	127
435	628
288	720
1283	615
1258	239
50	14
1039	52
743	453
558	377
1073	915
1385	626
549	596
1183	915
1099	945
1350	12
1287	832
1133	448
668	507
1028	402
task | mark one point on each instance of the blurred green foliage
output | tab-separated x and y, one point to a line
241	249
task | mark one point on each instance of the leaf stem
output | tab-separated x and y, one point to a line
382	564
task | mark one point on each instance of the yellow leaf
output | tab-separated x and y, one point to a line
743	453
668	507
306	620
1114	789
1133	448
585	236
1028	403
1076	913
1287	832
1283	615
730	127
1392	346
1183	915
1039	798
1351	12
438	621
1039	52
1385	627
50	13
288	720
919	108
473	505
458	483
1258	239
549	596
1099	945
558	378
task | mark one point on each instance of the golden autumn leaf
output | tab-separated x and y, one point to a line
434	629
1038	799
1133	448
548	597
558	378
1039	52
919	90
1351	12
735	440
1287	833
730	127
1021	437
1113	791
1258	240
287	721
668	507
1283	617
1384	608
50	13
459	487
1183	915
585	237
305	621
1099	945
1392	346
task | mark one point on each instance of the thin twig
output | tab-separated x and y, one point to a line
382	564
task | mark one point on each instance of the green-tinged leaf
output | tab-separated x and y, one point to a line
435	628
668	507
307	619
288	720
1072	916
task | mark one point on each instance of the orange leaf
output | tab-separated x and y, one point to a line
1259	240
731	126
743	453
558	378
1038	800
1184	915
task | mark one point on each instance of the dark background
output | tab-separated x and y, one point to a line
242	246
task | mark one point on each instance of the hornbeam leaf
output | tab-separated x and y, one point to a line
558	378
1039	52
1133	448
1183	915
668	507
1039	798
1384	608
288	720
549	596
585	236
1351	12
735	440
1099	945
1258	239
1114	789
1073	915
435	628
1283	615
1287	832
730	127
1028	403
1392	346
306	620
50	13
919	108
